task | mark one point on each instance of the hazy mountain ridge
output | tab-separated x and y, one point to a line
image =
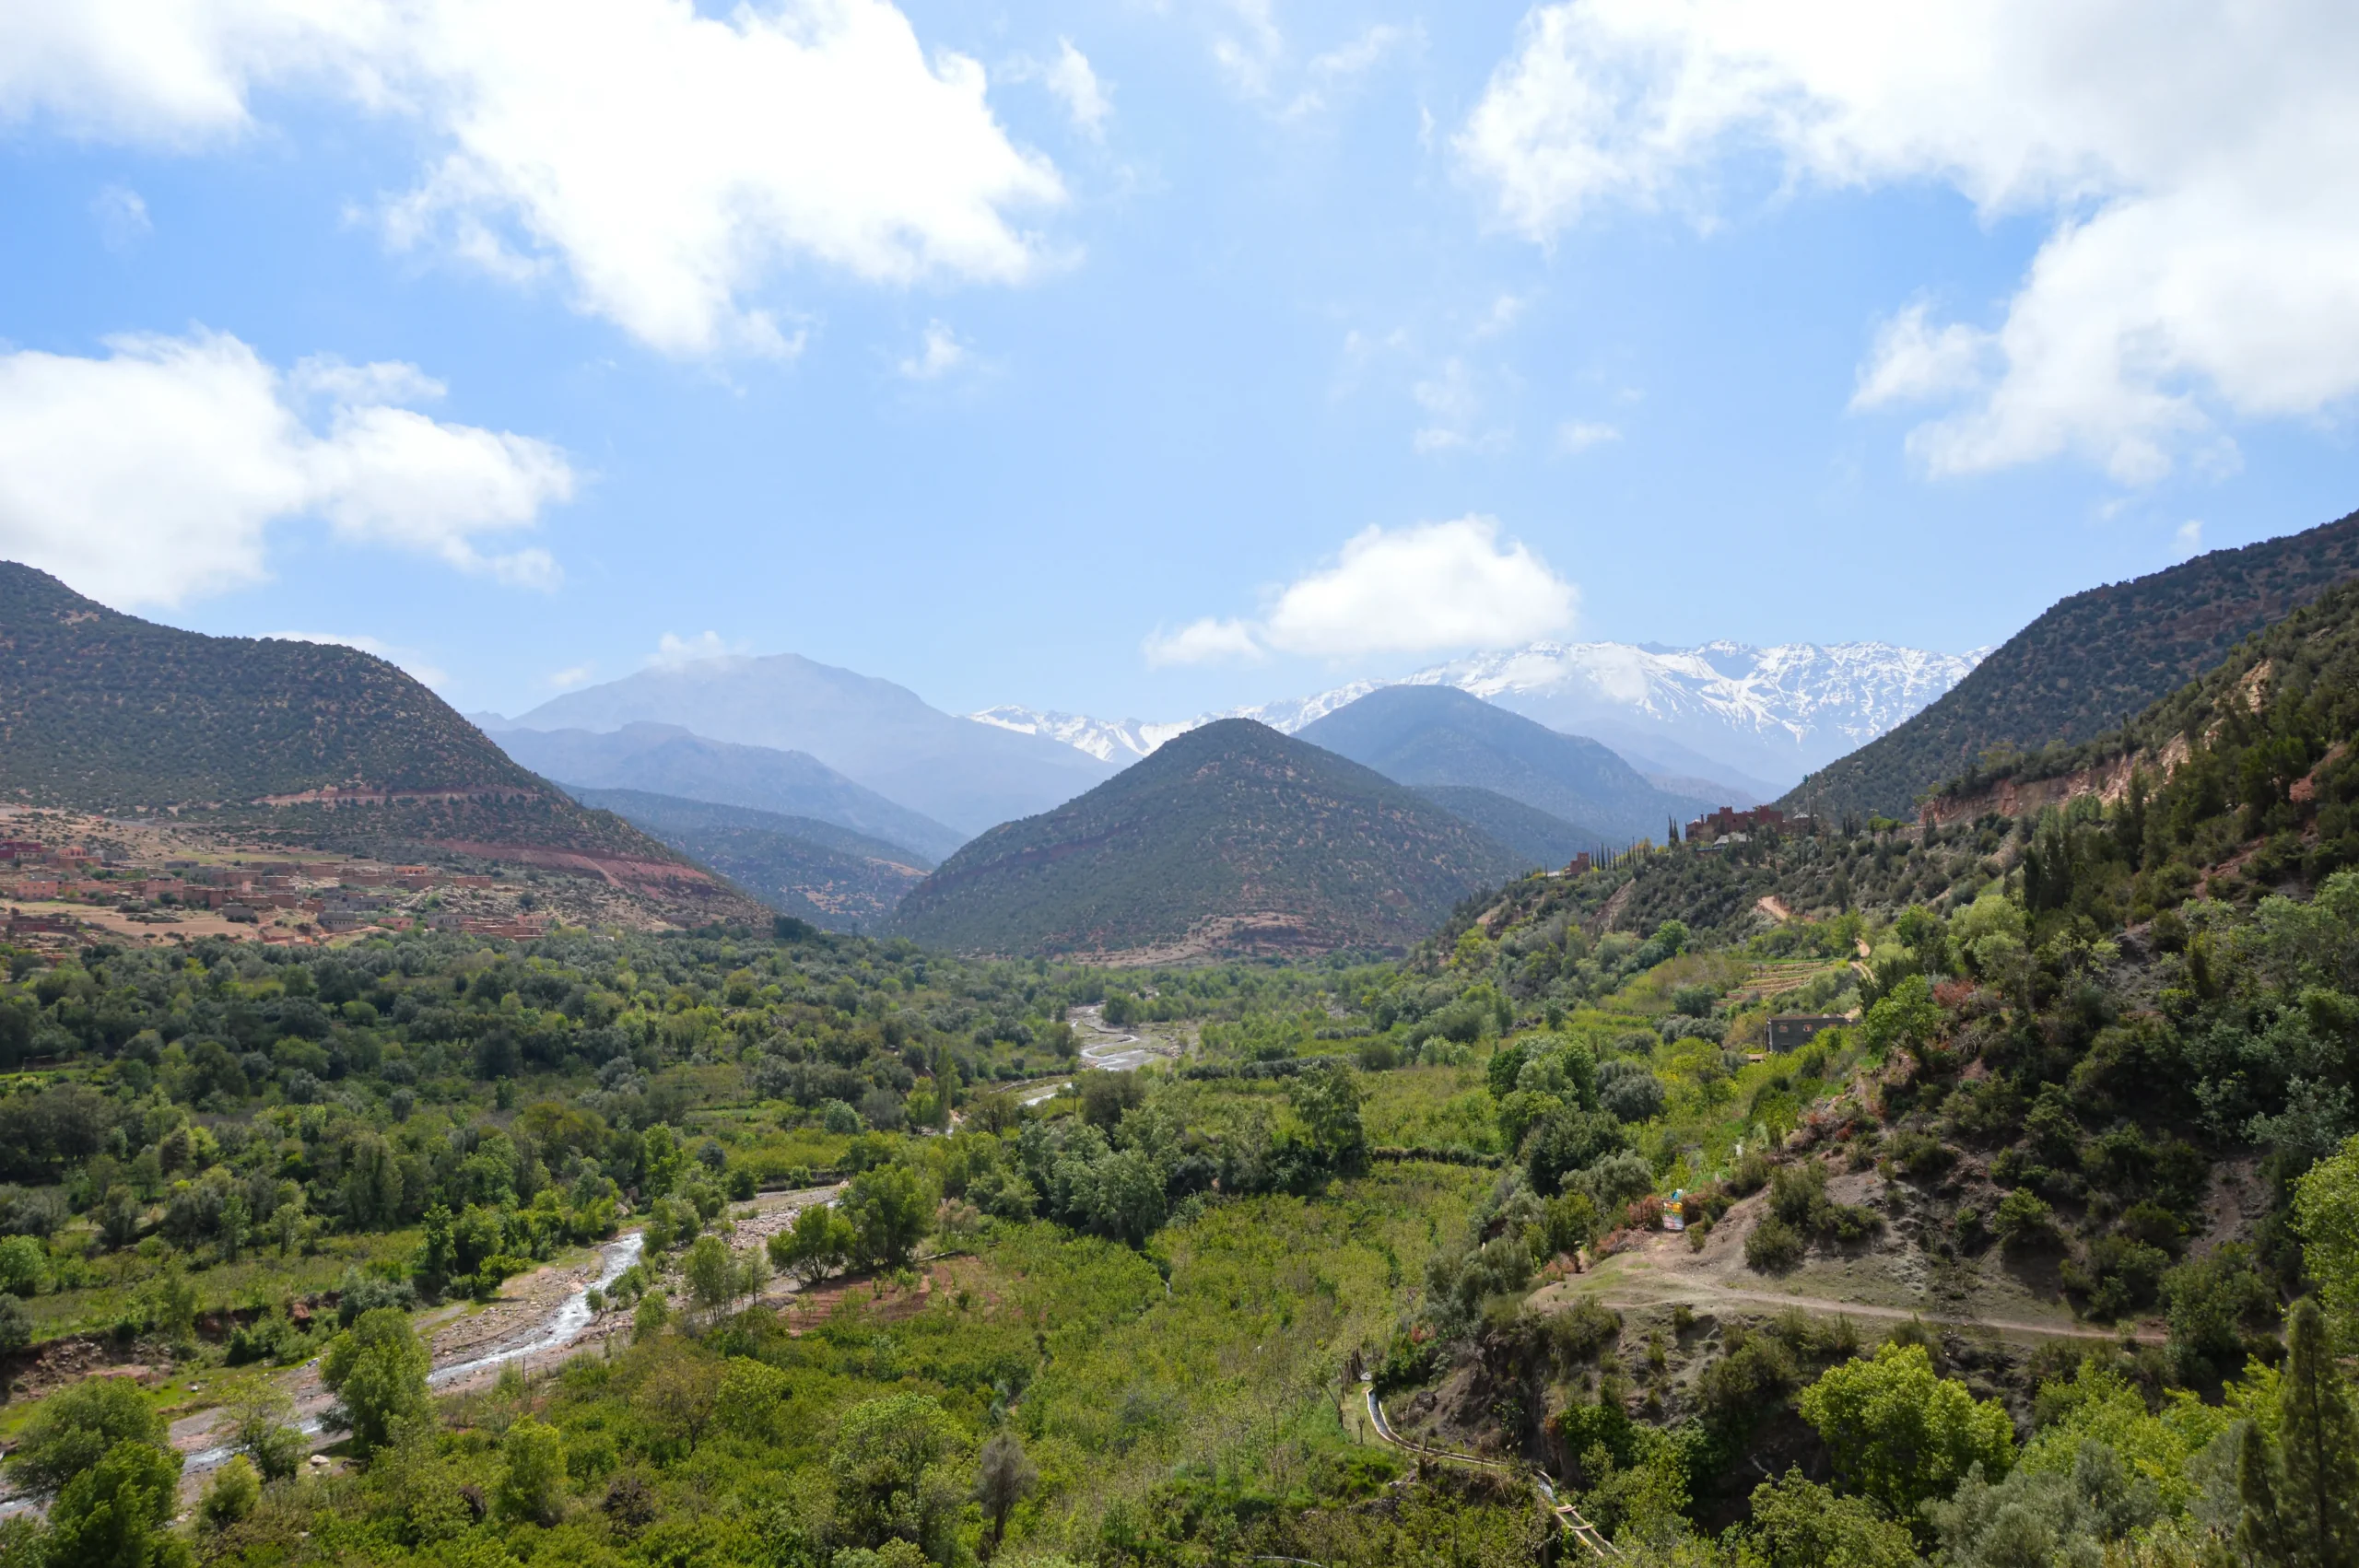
665	760
877	733
821	872
1763	716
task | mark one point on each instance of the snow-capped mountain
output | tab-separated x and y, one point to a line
1755	718
1118	741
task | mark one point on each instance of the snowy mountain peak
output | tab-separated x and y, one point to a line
1759	717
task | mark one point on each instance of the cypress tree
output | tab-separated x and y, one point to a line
2301	1501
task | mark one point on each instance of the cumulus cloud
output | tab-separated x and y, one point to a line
1413	590
154	476
673	651
667	164
572	675
2189	538
2200	171
942	353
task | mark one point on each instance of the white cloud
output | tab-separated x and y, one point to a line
1206	641
572	675
673	651
407	659
1250	50
666	163
1347	63
1579	435
2201	167
2189	539
1413	590
154	476
942	353
121	214
1078	88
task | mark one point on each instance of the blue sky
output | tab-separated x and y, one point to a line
1068	355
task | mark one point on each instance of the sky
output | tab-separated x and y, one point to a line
1140	360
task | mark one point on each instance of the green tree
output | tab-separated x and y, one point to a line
73	1429
892	1474
24	1266
260	1429
377	1369
2326	1215
234	1490
1005	1476
890	1208
1799	1523
1901	1434
815	1246
1327	1101
2300	1490
711	1275
117	1513
1907	1019
533	1486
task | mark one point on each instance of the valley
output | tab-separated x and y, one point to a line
1252	1157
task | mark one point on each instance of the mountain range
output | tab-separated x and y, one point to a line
879	734
1229	839
816	871
1742	721
666	760
1441	736
2088	664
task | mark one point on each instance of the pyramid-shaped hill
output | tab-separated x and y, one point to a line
1230	839
298	741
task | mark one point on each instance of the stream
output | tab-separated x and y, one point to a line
1126	1054
559	1329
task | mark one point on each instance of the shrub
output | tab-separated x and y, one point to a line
2024	1222
1773	1245
235	1491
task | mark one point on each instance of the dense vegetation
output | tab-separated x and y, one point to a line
1229	819
811	870
2043	1252
2086	665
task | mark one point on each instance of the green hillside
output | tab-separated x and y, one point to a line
103	711
1543	841
1230	837
829	875
2090	662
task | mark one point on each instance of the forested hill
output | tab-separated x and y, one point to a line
1231	837
98	708
103	711
2087	664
